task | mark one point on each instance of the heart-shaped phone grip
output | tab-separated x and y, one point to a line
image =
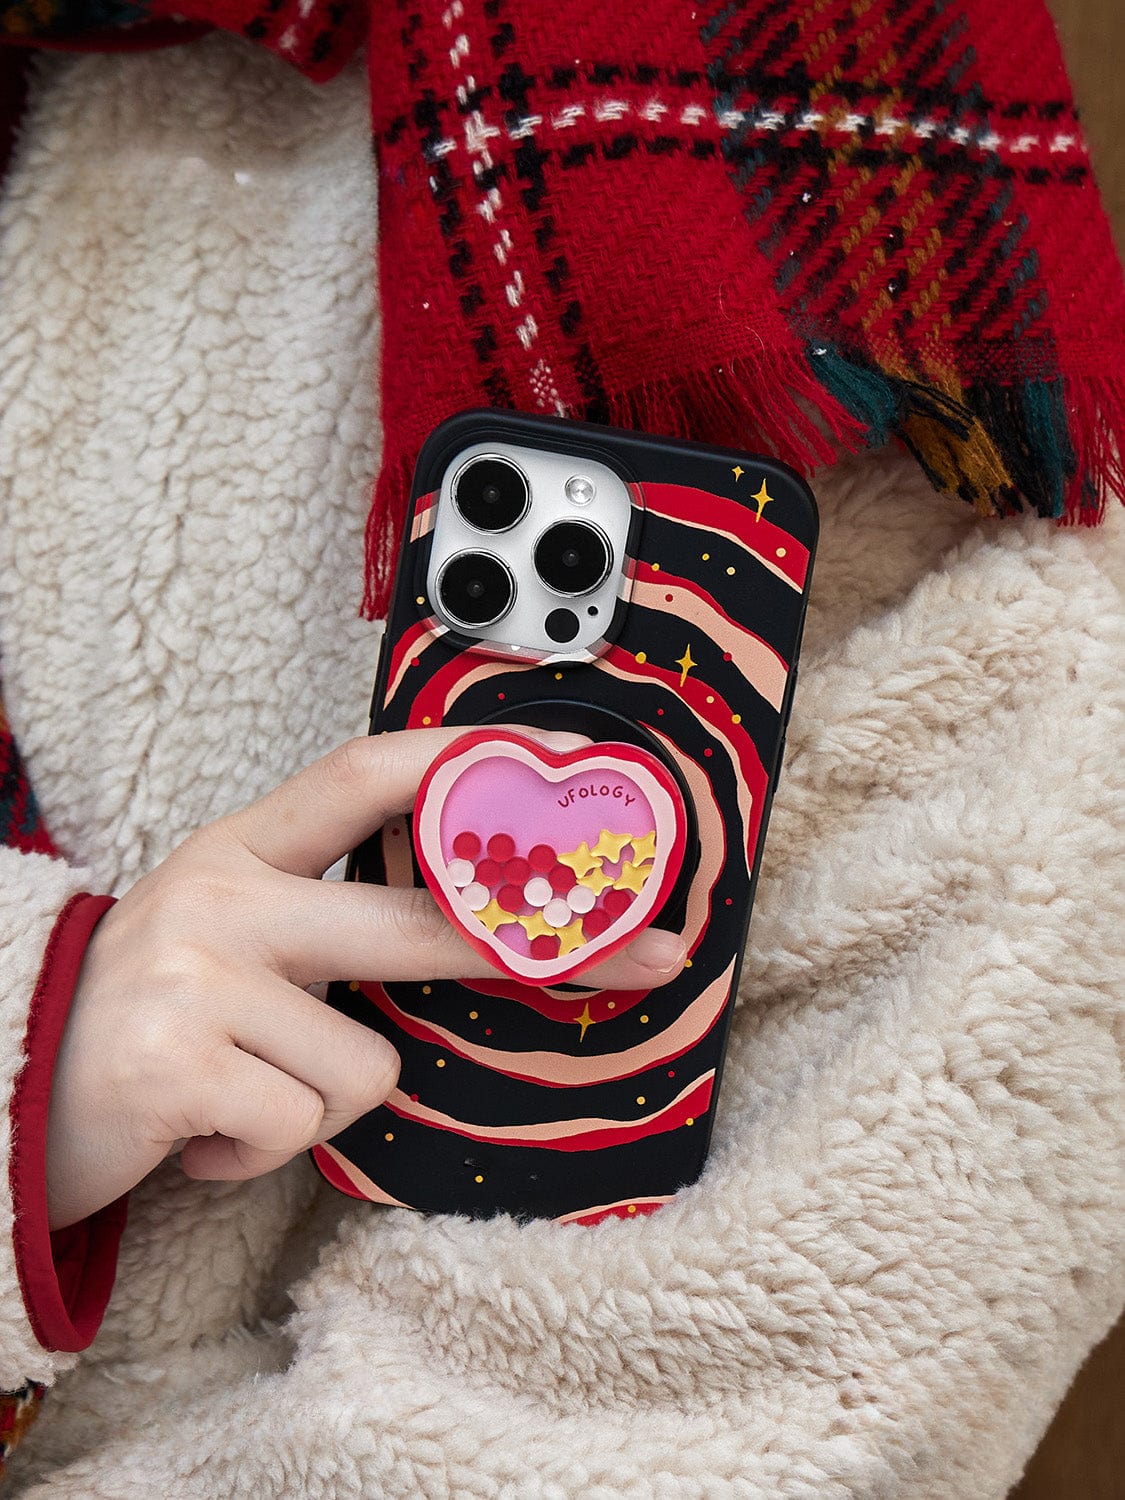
547	861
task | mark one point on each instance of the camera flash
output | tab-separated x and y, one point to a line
580	490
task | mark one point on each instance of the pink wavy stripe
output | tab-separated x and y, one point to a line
559	1005
774	548
712	844
557	1070
408	648
396	854
423	521
758	662
364	1187
589	1134
621	664
456	677
625	1209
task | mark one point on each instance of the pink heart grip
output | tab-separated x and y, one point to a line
548	862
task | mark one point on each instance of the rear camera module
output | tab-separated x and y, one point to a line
491	494
572	557
476	589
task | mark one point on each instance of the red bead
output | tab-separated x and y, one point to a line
467	845
511	898
594	923
517	872
501	846
562	877
541	859
489	873
708	751
617	903
545	946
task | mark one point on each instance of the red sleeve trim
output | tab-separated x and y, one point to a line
66	1277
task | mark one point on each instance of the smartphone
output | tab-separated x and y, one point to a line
630	588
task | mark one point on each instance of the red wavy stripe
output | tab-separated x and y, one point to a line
556	1005
763	668
562	1070
423	515
408	646
628	1208
775	548
589	1134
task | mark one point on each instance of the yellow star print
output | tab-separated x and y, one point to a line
738	472
571	937
596	881
610	845
685	663
537	926
764	498
585	1020
632	877
644	848
494	915
581	860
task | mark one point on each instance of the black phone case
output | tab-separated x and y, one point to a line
566	1102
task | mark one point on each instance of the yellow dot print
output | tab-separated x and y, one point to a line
421	599
427	719
656	567
687	963
640	1098
427	989
707	557
441	1062
390	1135
736	718
473	1015
354	985
478	1178
611	1005
730	572
558	676
710	697
632	1208
781	552
690	1120
642	657
644	1020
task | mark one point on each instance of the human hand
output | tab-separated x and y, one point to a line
191	1021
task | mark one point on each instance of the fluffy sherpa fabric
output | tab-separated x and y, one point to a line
910	1232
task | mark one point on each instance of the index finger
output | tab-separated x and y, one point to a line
306	824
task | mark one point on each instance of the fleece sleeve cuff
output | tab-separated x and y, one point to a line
53	1289
66	1277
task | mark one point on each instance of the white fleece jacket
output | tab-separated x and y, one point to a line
910	1231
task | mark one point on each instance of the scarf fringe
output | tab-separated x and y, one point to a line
1056	447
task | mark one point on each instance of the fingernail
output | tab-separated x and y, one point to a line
558	739
657	949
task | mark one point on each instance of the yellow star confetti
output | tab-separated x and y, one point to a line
644	848
764	498
596	881
738	472
685	663
632	877
581	860
571	937
585	1020
494	915
536	926
610	845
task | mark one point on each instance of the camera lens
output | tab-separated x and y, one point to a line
476	589
491	494
572	557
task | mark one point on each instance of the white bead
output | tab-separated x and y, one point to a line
580	899
537	891
476	896
461	871
556	913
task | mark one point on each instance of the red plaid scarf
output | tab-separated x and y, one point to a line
801	224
